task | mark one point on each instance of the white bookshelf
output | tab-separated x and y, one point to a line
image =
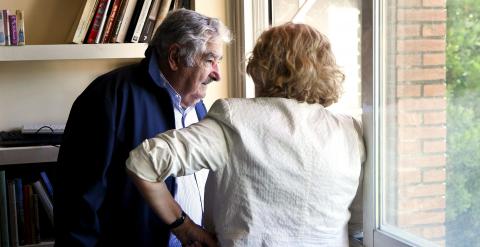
42	244
72	51
27	155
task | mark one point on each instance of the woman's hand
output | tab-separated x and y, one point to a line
192	235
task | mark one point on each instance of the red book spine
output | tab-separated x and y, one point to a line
111	20
97	21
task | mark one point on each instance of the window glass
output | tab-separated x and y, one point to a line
329	16
430	121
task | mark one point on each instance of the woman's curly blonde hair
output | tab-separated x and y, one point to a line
295	61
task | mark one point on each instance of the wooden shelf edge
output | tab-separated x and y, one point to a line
41	244
26	155
72	51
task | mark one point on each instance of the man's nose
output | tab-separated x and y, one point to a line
215	73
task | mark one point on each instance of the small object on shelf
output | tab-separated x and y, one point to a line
43	128
82	22
6	26
20	27
12	21
2	30
16	138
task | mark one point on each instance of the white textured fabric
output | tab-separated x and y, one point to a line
189	194
285	173
189	189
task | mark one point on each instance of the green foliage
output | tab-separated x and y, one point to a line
463	161
463	122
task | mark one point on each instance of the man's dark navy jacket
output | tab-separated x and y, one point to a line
96	204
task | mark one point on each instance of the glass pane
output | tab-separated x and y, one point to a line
329	16
430	130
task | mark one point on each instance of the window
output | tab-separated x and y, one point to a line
428	121
327	17
413	73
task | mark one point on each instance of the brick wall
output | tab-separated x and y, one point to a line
421	117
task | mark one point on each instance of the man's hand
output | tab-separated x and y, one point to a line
192	235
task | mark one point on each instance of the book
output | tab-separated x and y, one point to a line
12	210
12	22
82	22
107	34
20	26
20	210
35	219
27	205
176	5
141	21
133	21
118	21
103	21
147	30
46	182
3	211
124	21
2	32
6	26
97	21
162	13
44	200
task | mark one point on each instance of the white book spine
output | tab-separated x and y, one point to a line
6	26
102	23
20	27
85	21
2	30
126	21
141	21
44	200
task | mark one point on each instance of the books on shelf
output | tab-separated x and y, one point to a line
44	200
126	20
107	34
101	28
21	222
4	233
46	182
82	22
120	21
20	210
141	21
94	29
149	23
12	27
12	213
162	13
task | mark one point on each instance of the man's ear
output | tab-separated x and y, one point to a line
173	57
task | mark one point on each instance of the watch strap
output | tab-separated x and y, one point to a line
178	221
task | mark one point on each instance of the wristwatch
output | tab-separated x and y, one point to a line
178	221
